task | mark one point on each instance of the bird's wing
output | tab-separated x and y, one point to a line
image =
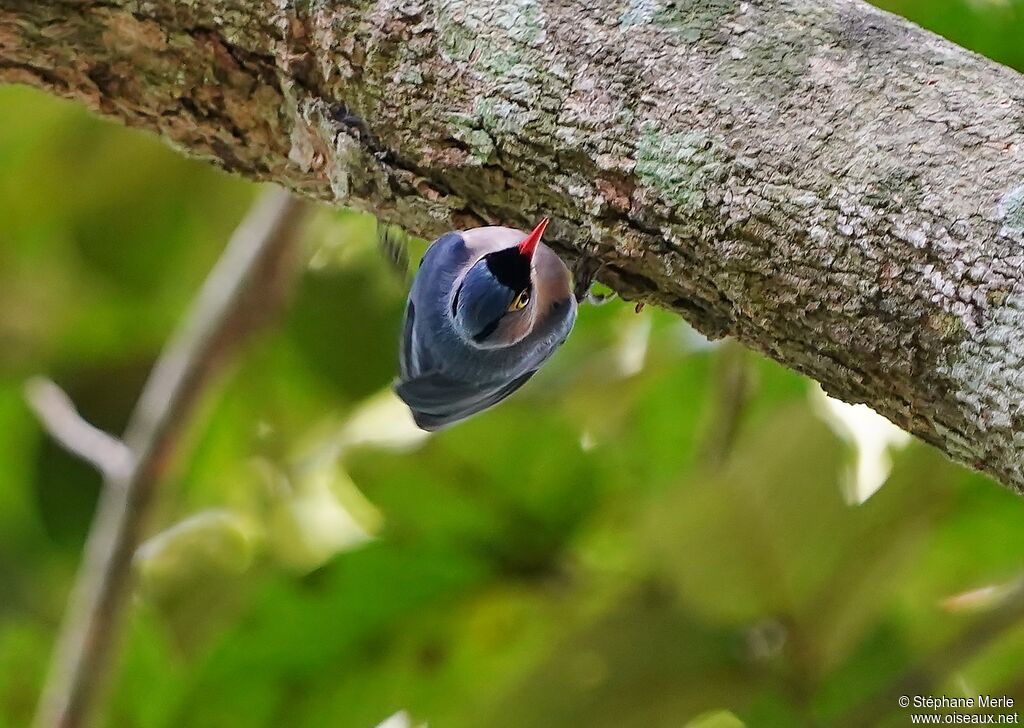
408	358
437	400
415	357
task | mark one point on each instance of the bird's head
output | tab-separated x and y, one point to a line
493	303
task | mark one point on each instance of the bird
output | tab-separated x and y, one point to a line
487	308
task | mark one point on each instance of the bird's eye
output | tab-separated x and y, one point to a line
520	301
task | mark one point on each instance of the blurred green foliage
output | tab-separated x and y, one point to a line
993	28
636	539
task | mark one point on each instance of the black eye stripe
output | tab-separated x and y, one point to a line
510	267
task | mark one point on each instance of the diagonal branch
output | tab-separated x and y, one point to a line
58	415
247	286
826	182
927	677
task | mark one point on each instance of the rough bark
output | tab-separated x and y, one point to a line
828	183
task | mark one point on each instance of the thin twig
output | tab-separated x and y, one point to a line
58	415
248	284
734	388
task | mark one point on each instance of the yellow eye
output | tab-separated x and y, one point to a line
520	301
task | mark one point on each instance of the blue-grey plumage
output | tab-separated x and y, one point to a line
487	308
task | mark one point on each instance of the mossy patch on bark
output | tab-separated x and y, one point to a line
677	165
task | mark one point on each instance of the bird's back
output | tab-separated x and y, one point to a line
443	377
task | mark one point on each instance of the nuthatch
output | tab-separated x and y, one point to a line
487	308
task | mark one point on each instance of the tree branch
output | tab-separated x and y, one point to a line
58	415
247	285
826	182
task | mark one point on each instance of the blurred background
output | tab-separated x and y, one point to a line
657	528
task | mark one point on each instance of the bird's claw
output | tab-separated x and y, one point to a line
596	299
584	275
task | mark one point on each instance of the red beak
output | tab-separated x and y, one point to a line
530	243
